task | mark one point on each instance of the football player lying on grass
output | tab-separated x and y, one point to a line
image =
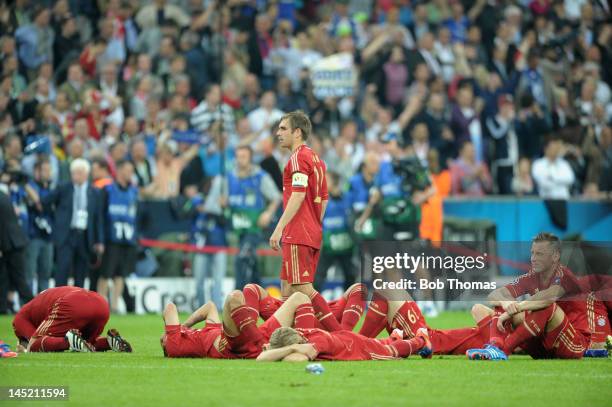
237	337
347	309
298	345
66	318
405	318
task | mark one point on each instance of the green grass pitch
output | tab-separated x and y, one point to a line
146	378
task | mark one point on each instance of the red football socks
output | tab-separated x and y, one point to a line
323	313
304	316
376	317
245	320
353	310
533	326
251	296
406	348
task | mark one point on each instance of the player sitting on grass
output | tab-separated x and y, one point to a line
347	309
546	325
234	338
298	345
66	318
405	319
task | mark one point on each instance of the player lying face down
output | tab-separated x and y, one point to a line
66	318
296	345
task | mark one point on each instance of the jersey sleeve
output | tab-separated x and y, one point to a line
301	167
569	282
324	193
521	285
321	343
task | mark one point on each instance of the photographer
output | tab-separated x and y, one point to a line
39	253
404	184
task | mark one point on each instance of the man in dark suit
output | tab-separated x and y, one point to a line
12	248
78	227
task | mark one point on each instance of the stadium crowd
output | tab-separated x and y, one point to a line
156	100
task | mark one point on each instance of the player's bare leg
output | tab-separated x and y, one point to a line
118	286
170	314
480	312
238	318
207	312
297	310
322	311
285	290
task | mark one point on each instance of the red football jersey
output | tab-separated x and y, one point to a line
575	310
37	310
305	172
346	345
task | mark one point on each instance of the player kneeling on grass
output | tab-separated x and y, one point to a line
298	345
66	318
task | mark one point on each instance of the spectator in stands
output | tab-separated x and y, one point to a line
169	166
212	109
36	41
531	126
552	174
468	176
78	224
263	117
74	87
522	183
501	129
465	121
100	173
144	167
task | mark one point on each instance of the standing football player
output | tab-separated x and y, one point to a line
300	227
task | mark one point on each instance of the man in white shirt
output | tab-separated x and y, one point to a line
552	173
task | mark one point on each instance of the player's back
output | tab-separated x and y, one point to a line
338	345
305	172
40	307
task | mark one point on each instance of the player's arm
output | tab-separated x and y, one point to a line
323	208
499	296
207	311
274	355
542	299
295	357
307	350
293	205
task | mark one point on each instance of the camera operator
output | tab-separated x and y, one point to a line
404	184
